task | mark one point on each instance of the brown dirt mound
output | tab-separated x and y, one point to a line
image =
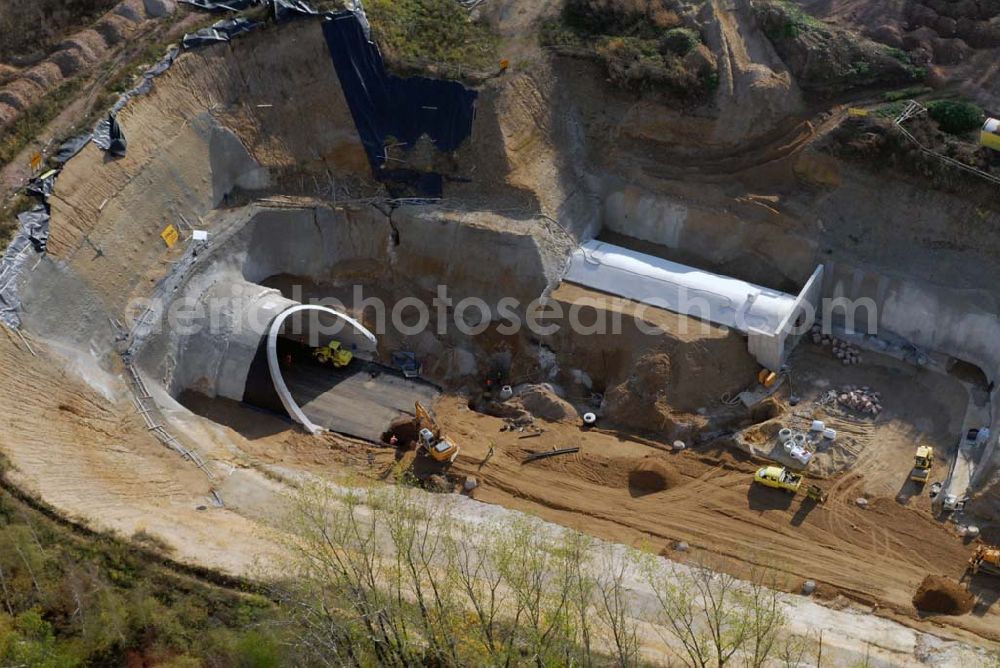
114	28
21	94
7	72
7	114
652	475
941	595
543	403
47	75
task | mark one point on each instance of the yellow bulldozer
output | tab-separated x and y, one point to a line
922	462
334	354
781	478
985	559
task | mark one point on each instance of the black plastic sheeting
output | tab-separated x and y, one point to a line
286	10
42	186
384	105
35	225
71	147
33	234
223	6
109	136
220	31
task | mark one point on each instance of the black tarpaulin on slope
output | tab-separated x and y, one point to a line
35	225
42	186
109	136
71	147
384	105
286	10
220	31
222	5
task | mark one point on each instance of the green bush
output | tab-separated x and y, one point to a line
623	19
679	41
412	32
73	600
640	43
955	116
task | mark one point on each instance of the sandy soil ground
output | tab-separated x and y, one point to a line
716	508
74	439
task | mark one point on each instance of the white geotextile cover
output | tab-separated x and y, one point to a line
678	288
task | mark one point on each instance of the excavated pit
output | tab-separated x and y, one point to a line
254	143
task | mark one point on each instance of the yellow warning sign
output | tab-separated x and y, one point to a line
36	162
170	235
857	112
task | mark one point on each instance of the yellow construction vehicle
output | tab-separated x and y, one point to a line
922	463
986	560
333	353
778	477
429	437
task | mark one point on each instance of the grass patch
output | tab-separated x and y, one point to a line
642	45
891	110
72	599
8	216
797	22
905	93
31	123
419	33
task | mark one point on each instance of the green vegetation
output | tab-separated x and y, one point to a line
422	33
828	59
18	134
643	45
680	41
8	215
956	116
891	110
795	22
70	599
387	576
905	93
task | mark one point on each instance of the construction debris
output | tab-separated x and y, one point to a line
841	349
861	400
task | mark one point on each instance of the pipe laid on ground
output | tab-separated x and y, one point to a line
549	453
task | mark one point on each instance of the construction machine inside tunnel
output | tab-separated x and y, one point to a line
518	253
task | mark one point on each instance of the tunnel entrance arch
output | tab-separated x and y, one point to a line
293	409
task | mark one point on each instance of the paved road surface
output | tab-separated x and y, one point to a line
354	402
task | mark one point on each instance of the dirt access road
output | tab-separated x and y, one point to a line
875	557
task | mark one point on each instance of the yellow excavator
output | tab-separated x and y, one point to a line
333	353
985	559
429	437
922	462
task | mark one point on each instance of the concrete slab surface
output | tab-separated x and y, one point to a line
358	401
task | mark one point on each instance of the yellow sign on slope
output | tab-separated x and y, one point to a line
170	235
36	162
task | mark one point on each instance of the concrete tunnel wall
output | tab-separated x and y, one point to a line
961	323
215	359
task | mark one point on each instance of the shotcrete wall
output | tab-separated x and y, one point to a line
215	357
